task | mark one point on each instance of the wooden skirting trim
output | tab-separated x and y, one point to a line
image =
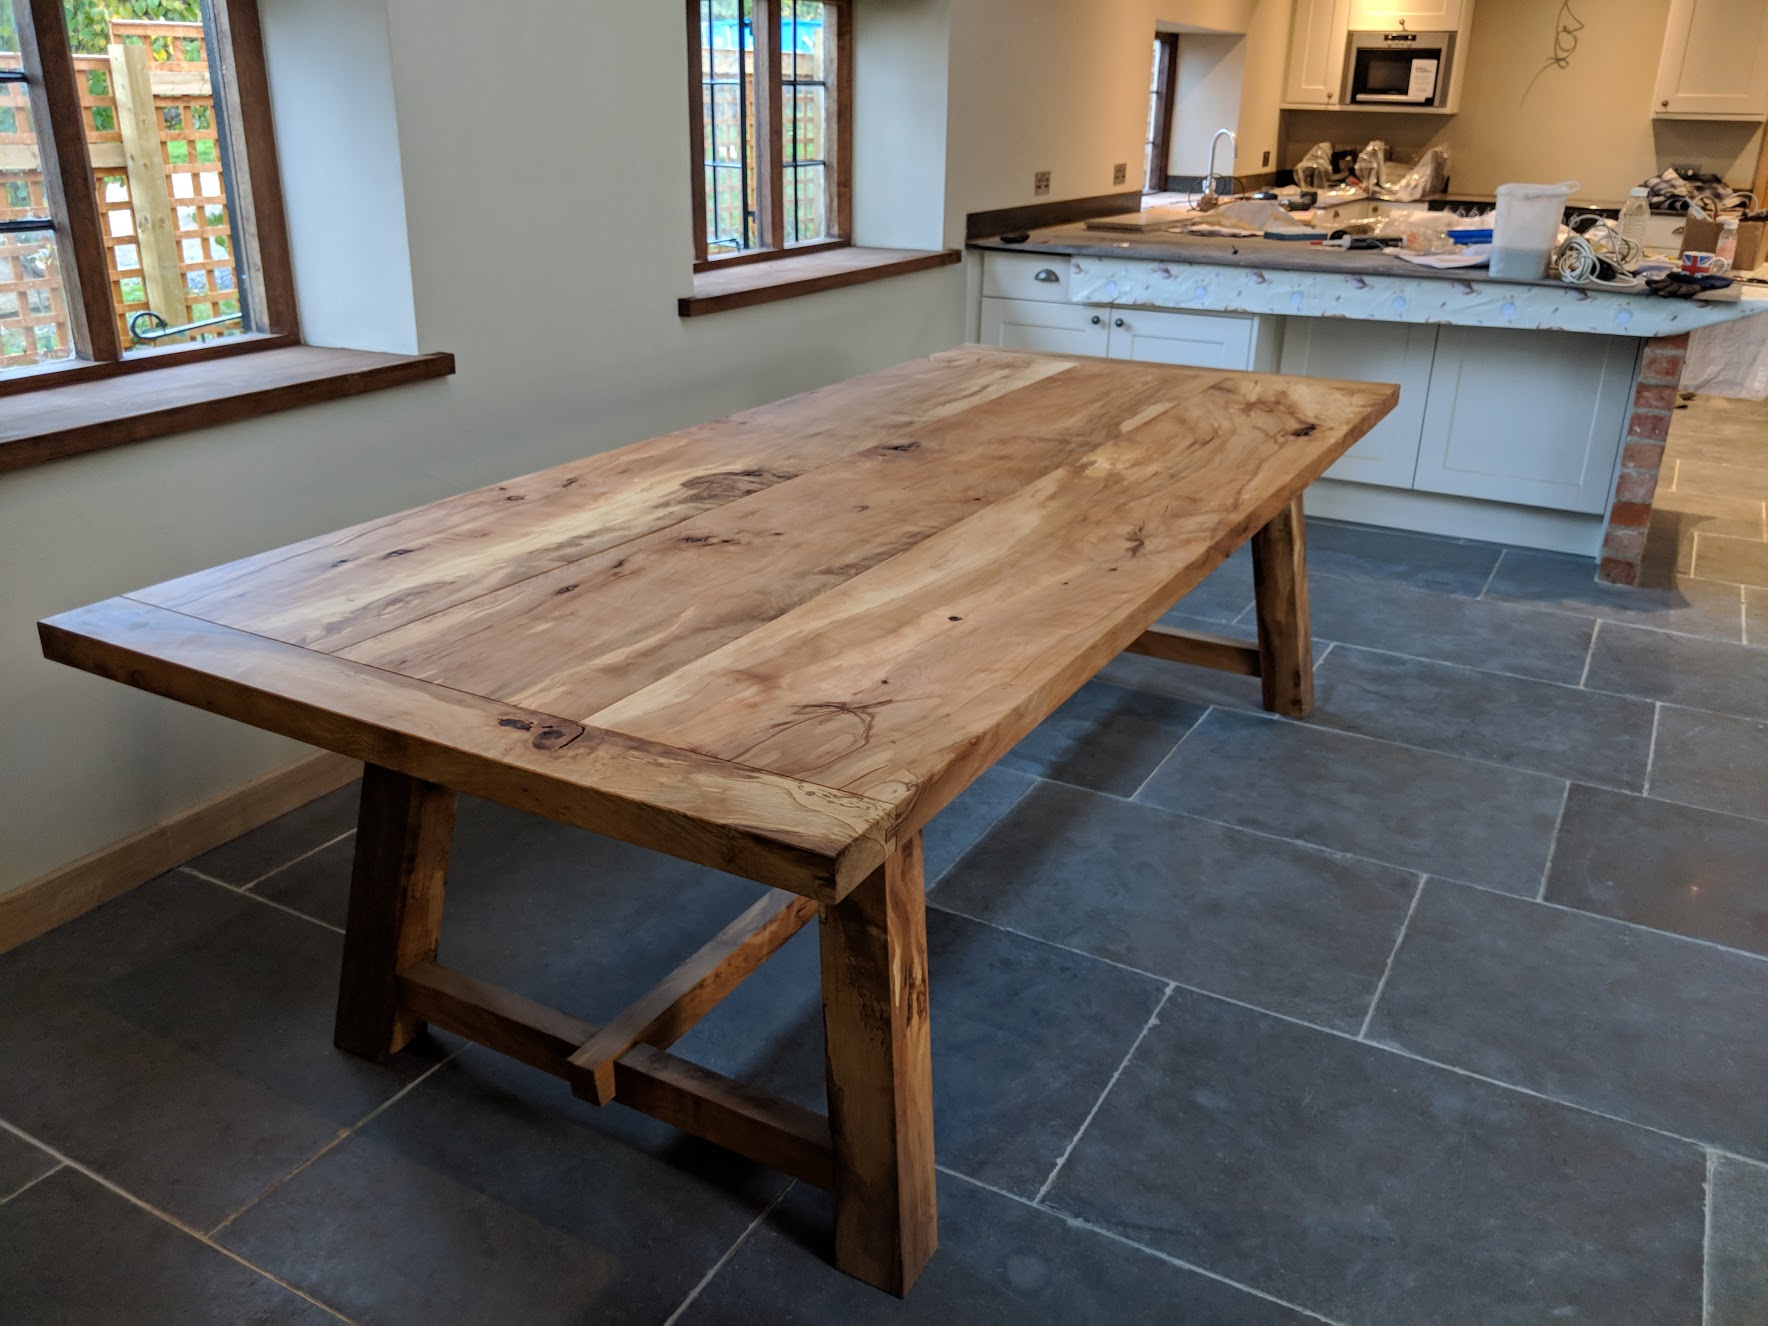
75	889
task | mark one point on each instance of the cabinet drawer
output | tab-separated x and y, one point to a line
1040	276
1194	340
1063	329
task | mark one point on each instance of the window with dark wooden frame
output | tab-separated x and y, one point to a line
770	102
1160	111
141	219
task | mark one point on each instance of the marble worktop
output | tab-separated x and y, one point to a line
1218	274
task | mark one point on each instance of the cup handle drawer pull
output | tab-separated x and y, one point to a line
1047	276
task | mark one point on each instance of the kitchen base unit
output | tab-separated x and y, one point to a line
1530	412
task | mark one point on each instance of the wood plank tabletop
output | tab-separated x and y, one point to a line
775	643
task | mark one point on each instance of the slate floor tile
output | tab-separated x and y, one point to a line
1025	1038
1000	1263
73	1253
1740	517
1290	928
316	885
1720	479
1539	725
1418	810
1527	642
1224	594
1737	1244
1375	1189
956	829
489	1194
1568	584
1423	561
1673	868
1651	1028
21	1163
1105	737
1721	556
1711	760
1678	669
1756	615
178	1041
254	855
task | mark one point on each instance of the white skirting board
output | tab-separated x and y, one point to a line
1457	517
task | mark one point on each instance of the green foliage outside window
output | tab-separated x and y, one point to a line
89	20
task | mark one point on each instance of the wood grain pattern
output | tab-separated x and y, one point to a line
669	1010
1198	648
879	1054
793	835
774	1132
404	835
724	287
1280	584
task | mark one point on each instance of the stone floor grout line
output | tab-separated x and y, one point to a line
258	897
344	1135
68	1162
1706	1246
1500	672
1395	1049
1392	953
1168	757
729	1252
1657	717
295	861
56	1168
1129	1054
1589	656
1075	1222
1490	577
1559	822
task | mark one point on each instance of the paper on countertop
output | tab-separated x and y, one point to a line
1469	255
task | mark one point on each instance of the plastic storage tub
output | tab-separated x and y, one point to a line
1527	227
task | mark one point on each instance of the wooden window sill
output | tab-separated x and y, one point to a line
55	422
805	274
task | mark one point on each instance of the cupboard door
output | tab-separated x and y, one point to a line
1195	340
1064	329
1316	53
1531	417
1370	352
1715	61
1417	15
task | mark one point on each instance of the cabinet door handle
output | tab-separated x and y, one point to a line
1117	322
1047	276
1097	319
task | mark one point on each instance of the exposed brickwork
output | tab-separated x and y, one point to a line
1642	456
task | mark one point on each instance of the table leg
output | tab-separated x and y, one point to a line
404	831
1285	641
880	1074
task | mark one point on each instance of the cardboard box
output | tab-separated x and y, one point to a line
1752	241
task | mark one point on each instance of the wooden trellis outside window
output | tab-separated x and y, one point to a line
142	180
770	110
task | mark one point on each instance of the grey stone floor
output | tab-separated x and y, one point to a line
1449	1005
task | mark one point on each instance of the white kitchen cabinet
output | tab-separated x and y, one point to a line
1316	53
1715	61
1412	15
1064	329
1528	417
1395	352
1197	340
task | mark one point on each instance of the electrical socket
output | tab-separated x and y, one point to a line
1267	160
1041	184
1120	173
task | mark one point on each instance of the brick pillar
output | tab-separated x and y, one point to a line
1642	456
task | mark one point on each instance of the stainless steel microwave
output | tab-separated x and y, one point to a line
1399	68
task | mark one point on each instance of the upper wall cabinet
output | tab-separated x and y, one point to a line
1715	61
1316	53
1416	15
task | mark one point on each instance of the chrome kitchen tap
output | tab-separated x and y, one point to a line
1212	181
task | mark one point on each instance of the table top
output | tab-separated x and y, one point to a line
776	643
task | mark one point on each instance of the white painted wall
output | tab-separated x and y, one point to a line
540	161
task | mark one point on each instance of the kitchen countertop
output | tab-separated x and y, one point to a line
1294	279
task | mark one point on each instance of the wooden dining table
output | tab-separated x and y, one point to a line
777	645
